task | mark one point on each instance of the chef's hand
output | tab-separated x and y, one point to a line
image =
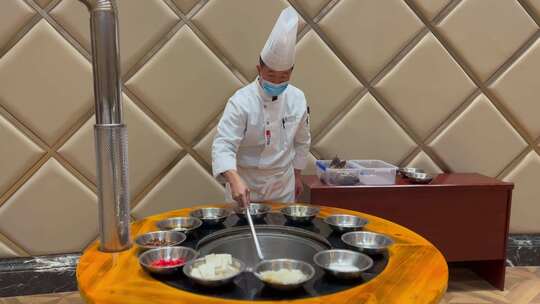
239	191
298	184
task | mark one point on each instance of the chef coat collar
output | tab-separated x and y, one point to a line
265	97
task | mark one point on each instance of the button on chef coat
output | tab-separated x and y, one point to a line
263	139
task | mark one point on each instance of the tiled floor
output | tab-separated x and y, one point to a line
522	287
58	298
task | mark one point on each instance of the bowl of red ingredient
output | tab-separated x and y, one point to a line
158	239
166	260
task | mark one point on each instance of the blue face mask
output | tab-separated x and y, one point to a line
273	89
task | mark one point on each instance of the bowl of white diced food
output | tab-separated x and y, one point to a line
284	274
214	269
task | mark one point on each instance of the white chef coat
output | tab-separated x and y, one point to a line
264	140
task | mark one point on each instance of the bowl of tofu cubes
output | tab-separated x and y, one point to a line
214	270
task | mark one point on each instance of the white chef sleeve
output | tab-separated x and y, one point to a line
230	132
302	142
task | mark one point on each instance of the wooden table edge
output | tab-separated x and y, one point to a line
368	293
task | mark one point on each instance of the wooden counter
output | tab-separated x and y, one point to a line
416	272
465	215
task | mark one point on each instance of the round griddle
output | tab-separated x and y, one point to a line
279	239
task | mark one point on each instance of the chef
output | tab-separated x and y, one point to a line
263	137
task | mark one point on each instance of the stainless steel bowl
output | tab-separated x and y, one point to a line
409	170
335	261
420	178
278	264
147	258
345	222
173	238
257	211
212	283
300	213
367	242
211	216
184	224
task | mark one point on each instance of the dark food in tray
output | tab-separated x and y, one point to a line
338	163
344	178
347	179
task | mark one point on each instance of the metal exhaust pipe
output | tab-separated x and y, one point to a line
110	131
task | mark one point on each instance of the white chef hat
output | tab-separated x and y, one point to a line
278	52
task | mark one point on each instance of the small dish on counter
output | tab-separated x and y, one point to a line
184	224
211	216
367	242
420	178
300	214
159	239
343	264
345	223
409	170
166	260
284	274
257	211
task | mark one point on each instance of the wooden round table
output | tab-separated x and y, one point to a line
416	273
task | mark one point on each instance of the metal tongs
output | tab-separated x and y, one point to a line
254	234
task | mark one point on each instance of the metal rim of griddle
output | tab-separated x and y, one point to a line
262	229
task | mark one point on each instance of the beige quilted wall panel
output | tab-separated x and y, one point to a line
56	204
13	16
43	3
444	85
431	8
184	73
326	82
137	37
526	175
370	32
186	185
239	30
413	85
33	84
535	4
312	7
18	153
479	131
516	88
6	252
487	43
150	148
367	131
74	17
185	5
204	147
